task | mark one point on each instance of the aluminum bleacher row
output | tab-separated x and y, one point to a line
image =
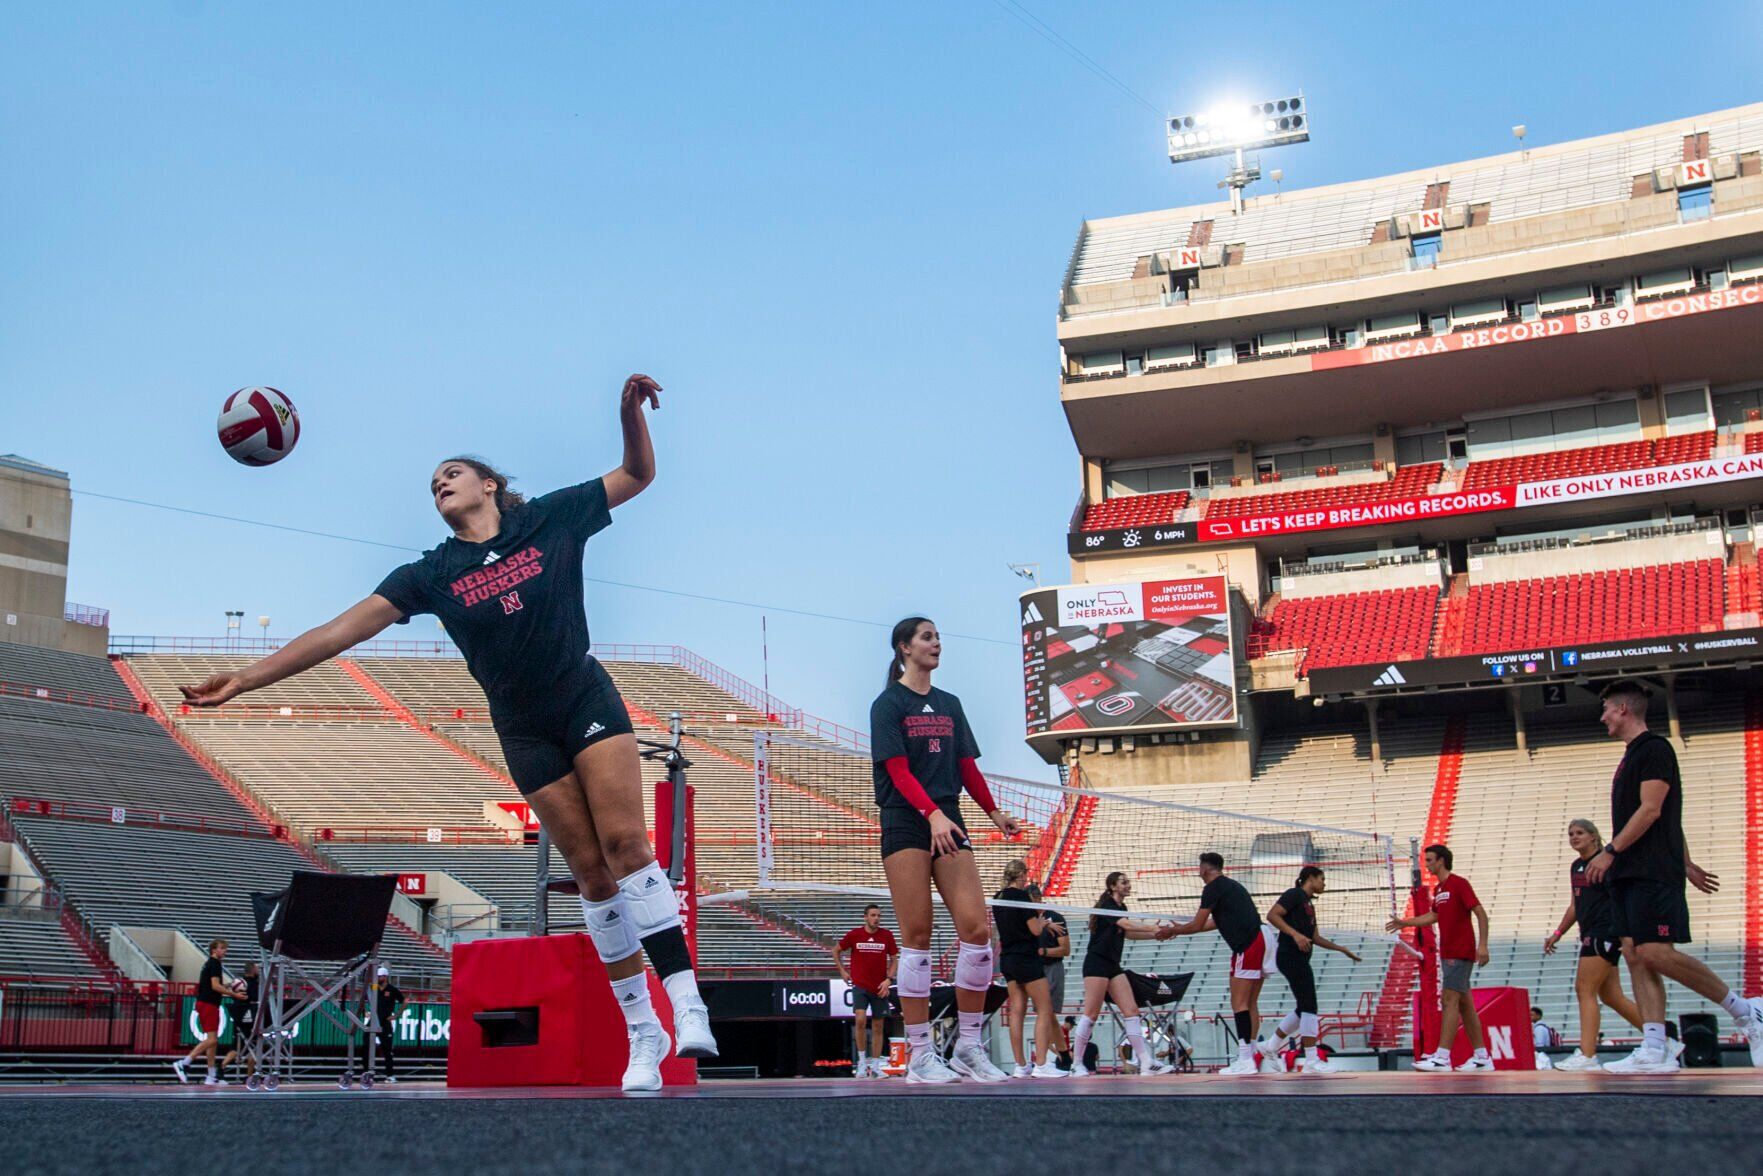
1411	481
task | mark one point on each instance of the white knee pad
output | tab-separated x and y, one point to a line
649	900
914	973
1288	1024
973	967
1308	1024
610	929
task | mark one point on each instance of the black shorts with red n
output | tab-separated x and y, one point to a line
541	737
1650	910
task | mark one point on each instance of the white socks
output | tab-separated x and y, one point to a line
1738	1006
1080	1038
1135	1035
682	990
919	1037
632	994
970	1026
1653	1036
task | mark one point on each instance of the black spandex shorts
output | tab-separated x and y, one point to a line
1022	967
904	828
1649	910
1100	968
1597	947
541	738
1294	965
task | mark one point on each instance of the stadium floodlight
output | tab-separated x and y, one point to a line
1235	127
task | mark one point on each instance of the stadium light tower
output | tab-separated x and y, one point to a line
1235	127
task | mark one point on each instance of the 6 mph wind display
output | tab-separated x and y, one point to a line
1135	657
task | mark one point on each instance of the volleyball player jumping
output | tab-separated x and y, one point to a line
507	587
1105	979
925	754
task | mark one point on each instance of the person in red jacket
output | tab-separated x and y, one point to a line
1453	904
925	755
874	956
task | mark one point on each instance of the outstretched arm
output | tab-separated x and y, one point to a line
638	470
360	622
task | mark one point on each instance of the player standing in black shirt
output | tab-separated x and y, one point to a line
1600	949
1225	904
1294	915
1647	863
211	989
925	754
507	587
243	1008
1105	979
1025	973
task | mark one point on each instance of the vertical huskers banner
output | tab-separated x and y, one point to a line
1133	657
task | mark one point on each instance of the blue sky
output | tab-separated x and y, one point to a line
833	232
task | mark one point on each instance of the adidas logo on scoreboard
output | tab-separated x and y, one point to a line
1390	677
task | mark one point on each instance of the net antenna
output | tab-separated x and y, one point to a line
1231	128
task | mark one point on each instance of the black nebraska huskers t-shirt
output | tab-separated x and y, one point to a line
513	604
931	731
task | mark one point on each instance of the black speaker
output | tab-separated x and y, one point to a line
1700	1033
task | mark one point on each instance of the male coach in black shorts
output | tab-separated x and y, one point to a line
1646	863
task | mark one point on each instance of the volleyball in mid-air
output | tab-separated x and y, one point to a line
258	426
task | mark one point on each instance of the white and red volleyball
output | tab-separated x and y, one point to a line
258	426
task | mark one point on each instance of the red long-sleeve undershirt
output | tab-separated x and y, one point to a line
918	798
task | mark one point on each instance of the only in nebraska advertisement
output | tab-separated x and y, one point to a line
1134	657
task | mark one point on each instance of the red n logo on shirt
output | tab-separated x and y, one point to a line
936	746
511	602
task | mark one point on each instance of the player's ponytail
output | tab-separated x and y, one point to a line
902	636
1107	895
506	499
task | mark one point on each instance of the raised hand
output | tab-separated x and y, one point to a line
639	388
214	691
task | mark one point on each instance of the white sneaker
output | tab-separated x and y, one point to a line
691	1033
1578	1061
926	1066
648	1045
177	1068
1273	1063
878	1068
1048	1069
211	1080
1242	1067
1673	1048
970	1061
1434	1064
1475	1064
391	1079
1155	1067
1644	1061
1079	1070
1317	1066
1754	1030
1023	1071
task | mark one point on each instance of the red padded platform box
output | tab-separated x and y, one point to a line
553	987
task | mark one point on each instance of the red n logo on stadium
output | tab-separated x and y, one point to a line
511	603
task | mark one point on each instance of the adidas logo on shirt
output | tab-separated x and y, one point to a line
593	731
491	558
929	710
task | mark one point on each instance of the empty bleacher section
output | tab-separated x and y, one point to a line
1559	463
139	875
34	946
1133	510
55	671
1595	606
1356	628
1327	493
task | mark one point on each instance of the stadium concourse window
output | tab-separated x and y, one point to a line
1426	250
1163	477
1608	423
1695	203
1735	406
1686	411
